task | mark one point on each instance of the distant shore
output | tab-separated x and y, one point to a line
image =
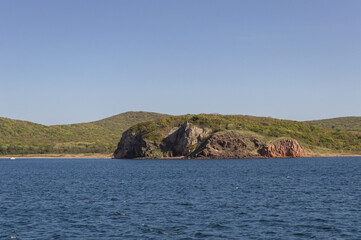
81	155
334	155
110	156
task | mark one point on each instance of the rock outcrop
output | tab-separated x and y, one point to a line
282	148
229	144
130	146
182	141
192	141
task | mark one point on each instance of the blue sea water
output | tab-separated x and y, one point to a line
308	198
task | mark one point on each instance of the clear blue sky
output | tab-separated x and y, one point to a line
74	61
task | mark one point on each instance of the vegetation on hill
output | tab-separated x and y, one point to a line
339	124
315	139
22	137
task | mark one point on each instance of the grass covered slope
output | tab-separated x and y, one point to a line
22	137
314	139
342	123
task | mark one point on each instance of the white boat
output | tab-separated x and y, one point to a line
12	158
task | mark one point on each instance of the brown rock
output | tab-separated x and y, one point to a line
283	148
228	144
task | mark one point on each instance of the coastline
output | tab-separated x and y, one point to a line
81	155
333	155
110	156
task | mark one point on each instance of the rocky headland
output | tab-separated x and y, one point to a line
204	137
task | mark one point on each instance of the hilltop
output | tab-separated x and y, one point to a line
342	123
232	136
23	137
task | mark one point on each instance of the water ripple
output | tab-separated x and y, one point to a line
180	199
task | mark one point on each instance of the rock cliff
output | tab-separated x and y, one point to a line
229	144
130	146
179	141
190	140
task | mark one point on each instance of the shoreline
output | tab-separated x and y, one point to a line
70	156
333	155
110	156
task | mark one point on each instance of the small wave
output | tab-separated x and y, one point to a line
120	214
184	204
201	234
146	228
320	220
218	226
299	234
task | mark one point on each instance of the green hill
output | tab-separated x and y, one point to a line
22	137
315	140
343	123
330	136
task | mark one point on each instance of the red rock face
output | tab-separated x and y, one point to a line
283	148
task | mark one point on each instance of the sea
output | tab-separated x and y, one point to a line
300	198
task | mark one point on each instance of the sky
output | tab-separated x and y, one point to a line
76	61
